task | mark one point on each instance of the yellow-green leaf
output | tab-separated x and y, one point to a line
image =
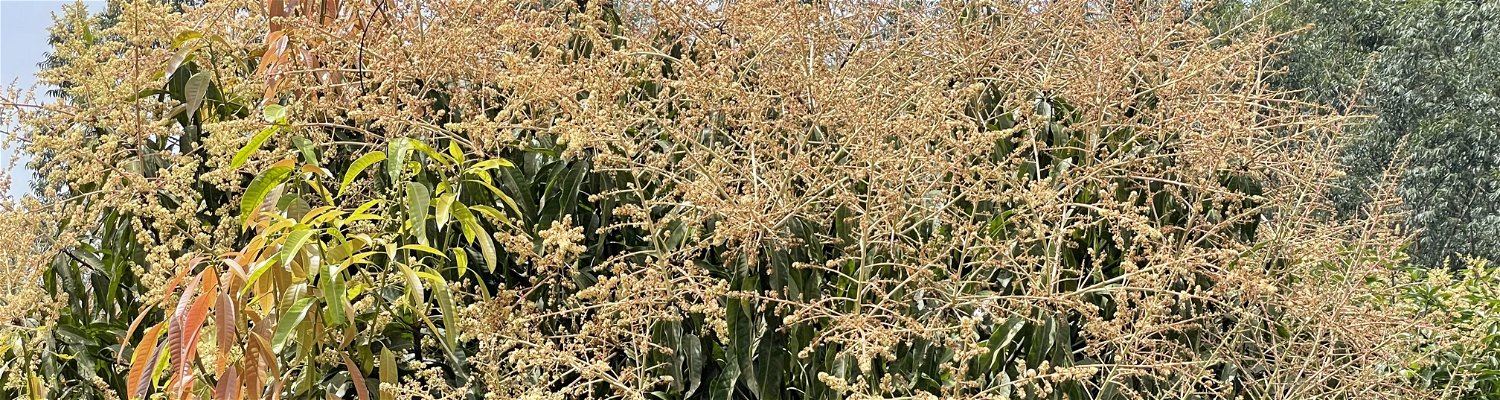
466	221
493	214
413	286
261	185
387	373
487	247
294	243
424	249
444	203
274	113
491	164
457	153
397	150
461	257
418	198
359	165
289	319
254	144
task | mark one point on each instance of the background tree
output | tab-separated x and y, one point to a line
1421	71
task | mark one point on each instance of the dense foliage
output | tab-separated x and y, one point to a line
759	199
1422	72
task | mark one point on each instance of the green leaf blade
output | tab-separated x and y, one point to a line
359	165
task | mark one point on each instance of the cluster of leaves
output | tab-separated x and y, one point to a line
698	200
1462	335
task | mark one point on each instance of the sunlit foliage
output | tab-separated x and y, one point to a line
754	199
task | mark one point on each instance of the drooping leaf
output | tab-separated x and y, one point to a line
261	186
289	320
445	305
192	324
228	387
418	199
461	257
388	373
487	249
424	249
413	287
294	242
309	154
196	89
692	354
144	360
255	142
490	164
444	204
493	214
456	152
466	221
361	388
225	323
397	150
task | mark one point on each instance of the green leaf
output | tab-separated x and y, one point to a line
455	152
254	144
740	350
197	87
413	287
461	257
289	320
424	249
491	164
359	165
274	113
692	350
466	221
444	204
487	247
305	146
428	150
294	243
445	305
397	150
334	290
493	214
261	186
418	199
184	37
366	207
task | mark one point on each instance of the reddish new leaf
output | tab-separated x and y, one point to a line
141	363
360	387
229	385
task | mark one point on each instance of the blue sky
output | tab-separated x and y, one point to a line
23	41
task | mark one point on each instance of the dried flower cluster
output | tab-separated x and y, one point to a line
765	199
